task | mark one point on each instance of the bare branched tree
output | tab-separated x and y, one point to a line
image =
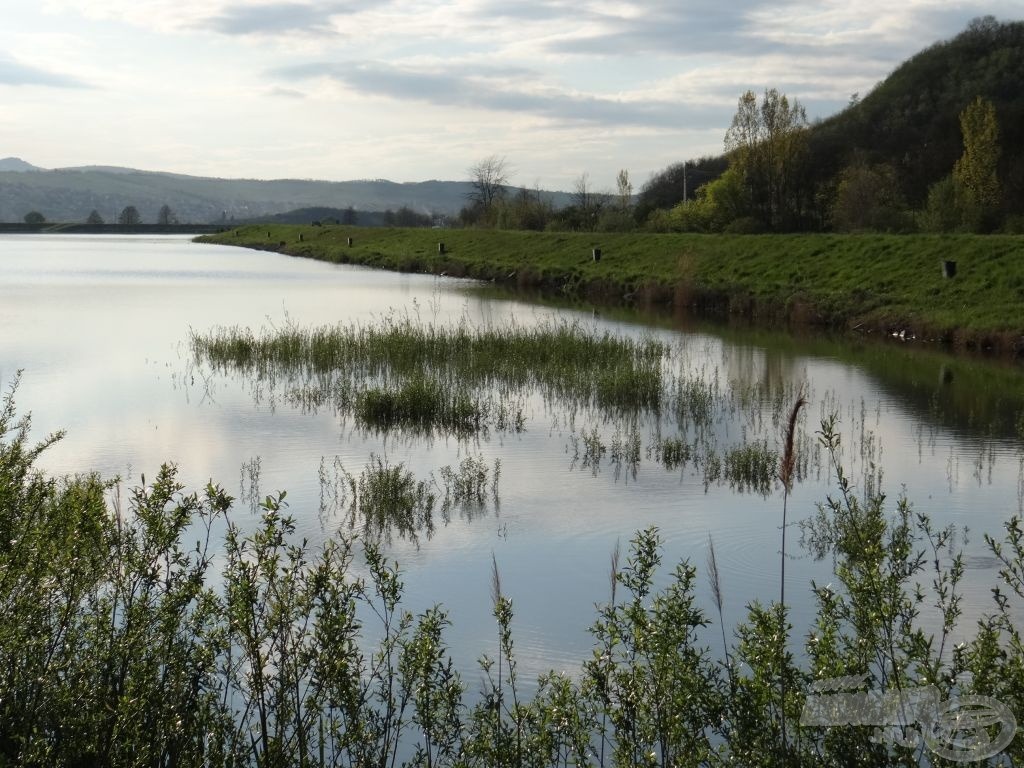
166	216
488	177
582	192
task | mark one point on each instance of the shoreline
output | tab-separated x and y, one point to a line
863	285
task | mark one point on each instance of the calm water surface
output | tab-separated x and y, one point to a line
100	326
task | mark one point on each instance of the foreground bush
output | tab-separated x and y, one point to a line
130	636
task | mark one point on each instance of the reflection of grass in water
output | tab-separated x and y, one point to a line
695	400
387	499
587	449
748	467
391	498
470	484
752	467
398	372
671	452
398	375
421	404
625	450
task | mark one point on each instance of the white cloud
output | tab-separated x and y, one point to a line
420	88
14	72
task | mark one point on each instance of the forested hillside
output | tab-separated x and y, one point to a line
894	149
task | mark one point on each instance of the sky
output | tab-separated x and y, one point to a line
410	90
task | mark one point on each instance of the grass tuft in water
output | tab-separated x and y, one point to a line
455	378
672	452
420	405
751	467
389	498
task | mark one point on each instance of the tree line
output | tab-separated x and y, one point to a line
933	148
764	183
128	217
493	203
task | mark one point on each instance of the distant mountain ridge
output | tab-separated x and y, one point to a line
71	194
17	165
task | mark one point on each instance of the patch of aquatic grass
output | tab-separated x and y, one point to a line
249	483
694	400
559	360
630	388
671	452
471	483
422	405
587	449
625	450
751	467
389	498
711	466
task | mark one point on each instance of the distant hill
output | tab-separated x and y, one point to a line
911	121
70	194
17	165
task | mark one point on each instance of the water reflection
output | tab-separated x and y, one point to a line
101	327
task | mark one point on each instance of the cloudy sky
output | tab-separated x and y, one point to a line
418	89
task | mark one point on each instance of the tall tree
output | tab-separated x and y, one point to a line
583	194
94	220
166	216
625	190
767	144
129	217
975	171
488	178
868	197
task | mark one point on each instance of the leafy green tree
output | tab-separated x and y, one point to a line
407	217
942	211
976	170
718	204
624	189
615	220
868	197
35	218
669	187
527	209
767	143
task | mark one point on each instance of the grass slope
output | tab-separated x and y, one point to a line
871	283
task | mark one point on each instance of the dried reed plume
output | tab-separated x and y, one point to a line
495	581
786	476
789	454
716	592
613	573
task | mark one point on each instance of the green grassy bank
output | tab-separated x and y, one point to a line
865	283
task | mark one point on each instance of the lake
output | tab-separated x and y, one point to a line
101	328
